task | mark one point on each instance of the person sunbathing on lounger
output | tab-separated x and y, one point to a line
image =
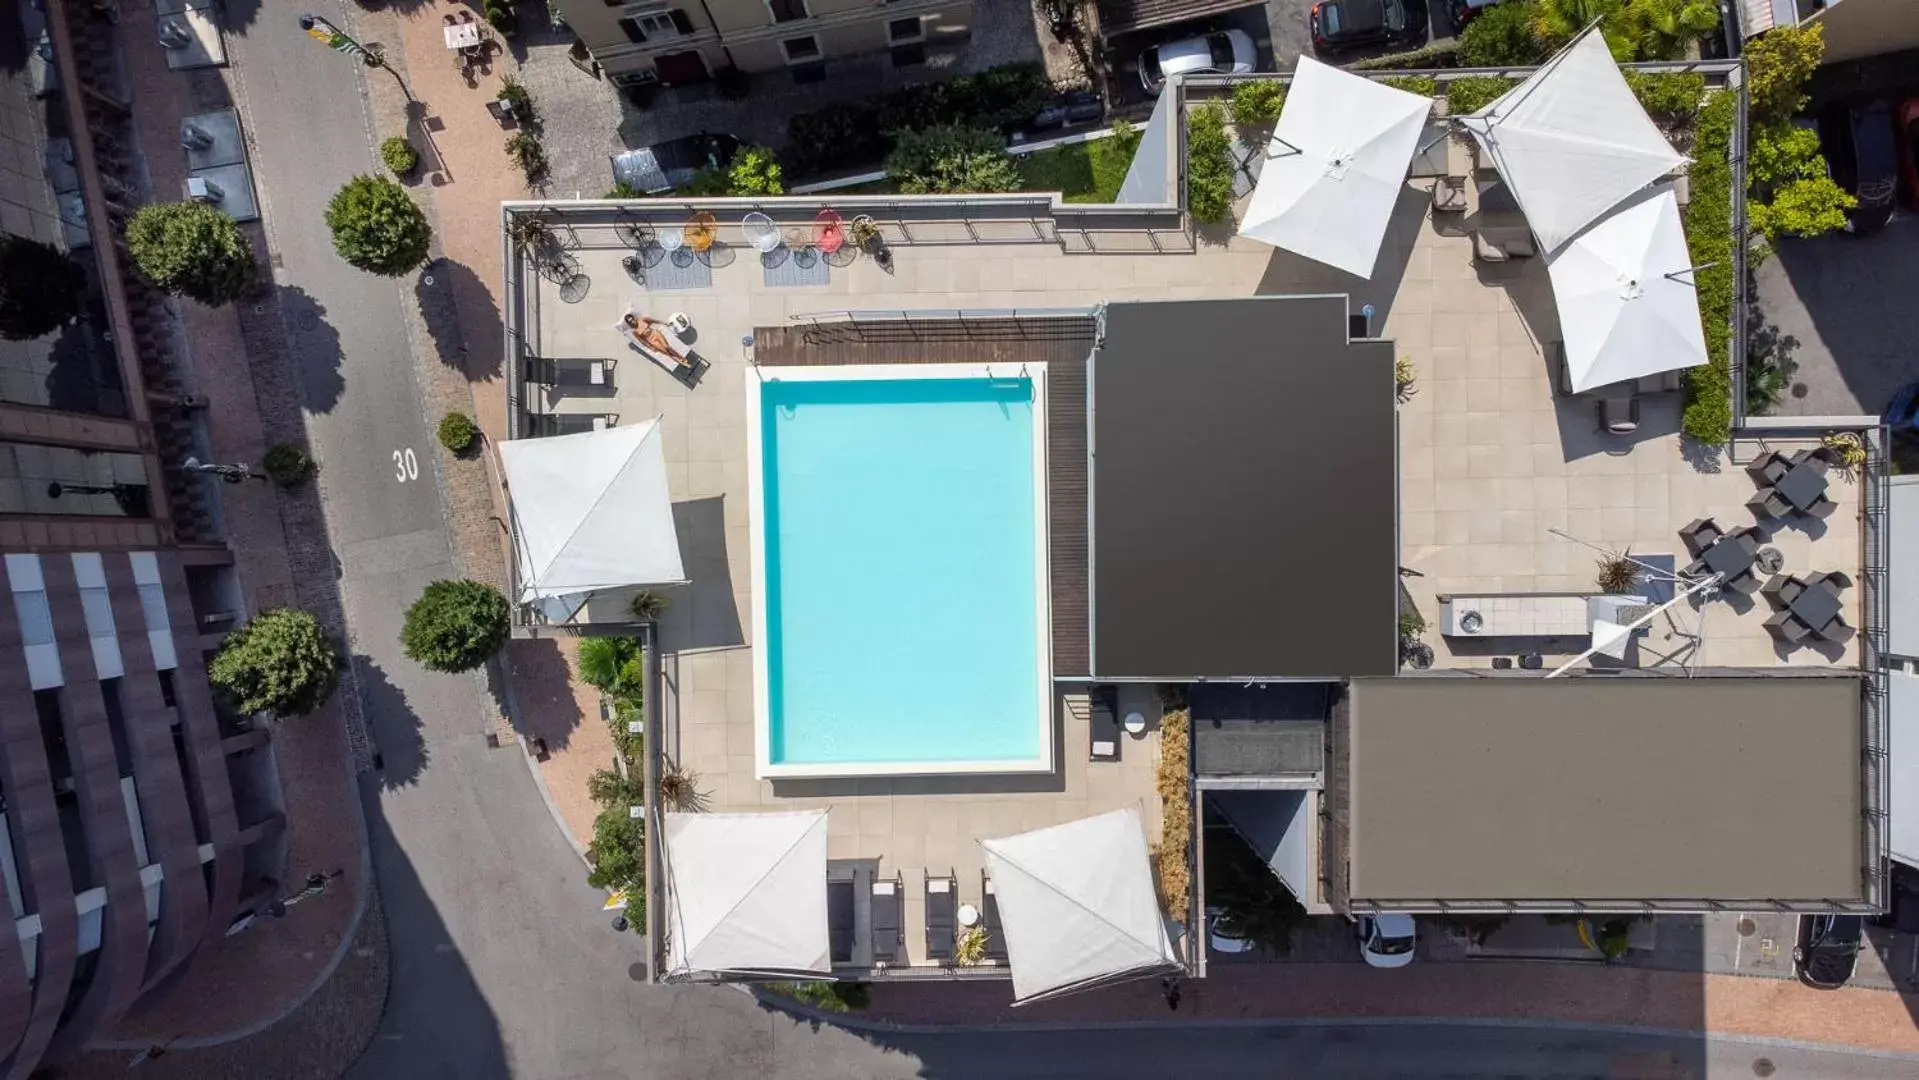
650	333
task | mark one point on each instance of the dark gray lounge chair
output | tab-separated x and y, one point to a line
1786	627
888	931
1823	508
1699	535
989	920
1782	589
1766	469
1619	416
1768	505
1838	631
1103	731
942	916
839	921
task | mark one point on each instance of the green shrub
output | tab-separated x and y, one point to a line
615	666
1257	102
1672	97
280	662
1709	240
1501	36
1443	55
706	183
846	136
457	432
617	857
756	171
1779	63
1423	85
455	626
377	227
40	288
1475	92
1664	29
515	96
1209	164
191	249
832	997
623	190
399	156
1778	154
287	464
951	159
1810	207
526	151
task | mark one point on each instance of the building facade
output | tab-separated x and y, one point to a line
648	42
139	820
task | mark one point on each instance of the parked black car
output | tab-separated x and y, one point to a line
1860	145
1338	25
1828	949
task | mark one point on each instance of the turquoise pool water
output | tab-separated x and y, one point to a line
901	603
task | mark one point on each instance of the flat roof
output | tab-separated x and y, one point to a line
1607	788
1244	492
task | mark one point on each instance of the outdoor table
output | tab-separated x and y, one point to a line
1728	557
1801	486
1816	606
461	35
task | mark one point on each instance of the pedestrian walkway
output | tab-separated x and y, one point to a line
255	977
1480	990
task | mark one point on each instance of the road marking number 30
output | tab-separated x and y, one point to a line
405	465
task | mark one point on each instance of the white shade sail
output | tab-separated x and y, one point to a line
1077	905
1572	141
1627	303
592	512
1335	167
746	893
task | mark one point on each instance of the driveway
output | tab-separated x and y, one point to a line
1844	313
1122	50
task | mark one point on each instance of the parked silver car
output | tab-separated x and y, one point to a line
1227	52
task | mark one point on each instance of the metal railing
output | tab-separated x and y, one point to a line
1875	479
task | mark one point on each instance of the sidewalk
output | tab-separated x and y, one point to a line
1481	990
257	976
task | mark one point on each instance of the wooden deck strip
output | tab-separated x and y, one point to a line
1063	345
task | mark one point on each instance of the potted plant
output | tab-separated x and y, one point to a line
457	432
969	948
1844	449
399	156
1617	573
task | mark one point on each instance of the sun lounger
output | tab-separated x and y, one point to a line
888	935
839	921
989	920
1103	730
942	917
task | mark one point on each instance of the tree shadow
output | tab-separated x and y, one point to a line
1770	365
446	291
543	689
14	49
400	752
315	346
240	15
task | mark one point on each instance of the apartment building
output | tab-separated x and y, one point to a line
654	43
139	820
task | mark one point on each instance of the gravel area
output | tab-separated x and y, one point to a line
587	120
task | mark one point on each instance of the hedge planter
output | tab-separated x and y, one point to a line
399	156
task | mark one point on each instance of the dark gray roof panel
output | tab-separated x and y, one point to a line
1244	472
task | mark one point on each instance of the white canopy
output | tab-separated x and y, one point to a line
1335	167
592	512
1076	902
1572	141
1627	303
746	893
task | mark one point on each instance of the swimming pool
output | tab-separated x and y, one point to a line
899	570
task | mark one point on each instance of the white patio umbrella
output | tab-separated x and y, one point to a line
592	513
1335	167
1624	289
746	893
1572	141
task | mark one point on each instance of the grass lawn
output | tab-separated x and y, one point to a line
1088	172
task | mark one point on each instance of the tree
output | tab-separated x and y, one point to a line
613	666
39	288
1209	164
280	662
1780	154
1556	21
949	159
756	171
1502	35
377	227
455	625
1663	29
617	853
1802	208
1778	64
191	249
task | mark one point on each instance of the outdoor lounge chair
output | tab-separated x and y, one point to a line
1103	730
1619	416
1816	459
1838	631
761	232
1768	505
888	932
1744	584
1767	469
1823	508
989	920
1701	534
942	916
1783	589
1786	627
839	921
1834	578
